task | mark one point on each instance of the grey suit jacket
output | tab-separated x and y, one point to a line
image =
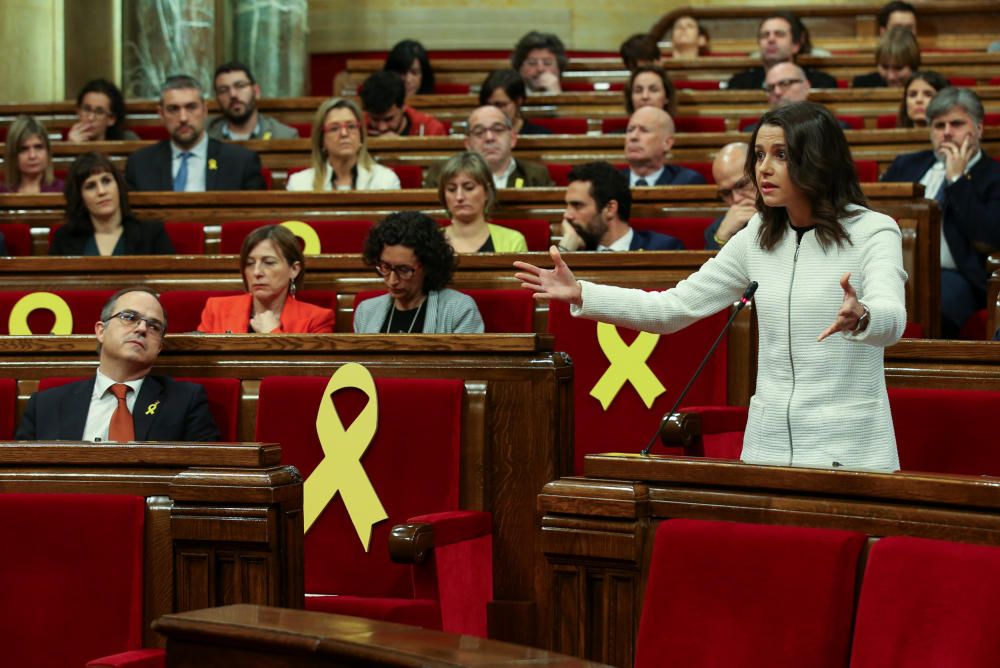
270	128
448	312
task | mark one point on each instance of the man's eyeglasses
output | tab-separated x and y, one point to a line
96	112
337	128
237	86
403	271
740	186
479	131
132	319
783	84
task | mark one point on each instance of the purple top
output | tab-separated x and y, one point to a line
55	187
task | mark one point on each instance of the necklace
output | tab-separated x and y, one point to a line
388	328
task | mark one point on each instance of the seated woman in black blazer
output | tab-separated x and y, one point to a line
98	218
897	56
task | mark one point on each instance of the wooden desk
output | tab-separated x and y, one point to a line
517	428
257	636
597	531
223	522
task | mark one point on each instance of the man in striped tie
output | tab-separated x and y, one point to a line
123	401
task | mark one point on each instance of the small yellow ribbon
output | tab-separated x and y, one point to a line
628	364
519	182
267	135
340	470
212	164
305	232
17	323
151	409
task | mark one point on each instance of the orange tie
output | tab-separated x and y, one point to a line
121	428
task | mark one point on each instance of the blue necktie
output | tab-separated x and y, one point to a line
641	182
180	181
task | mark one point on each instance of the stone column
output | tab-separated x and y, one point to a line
270	38
167	37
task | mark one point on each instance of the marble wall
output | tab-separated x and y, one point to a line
166	37
270	37
31	32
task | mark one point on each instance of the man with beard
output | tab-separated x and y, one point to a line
237	92
189	161
598	205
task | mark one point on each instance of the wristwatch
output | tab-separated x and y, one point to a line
863	320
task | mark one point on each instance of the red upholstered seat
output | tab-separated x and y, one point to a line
335	236
184	307
188	237
268	177
450	88
304	130
867	170
695	84
689	229
730	594
886	122
927	604
150	132
628	423
71	577
412	463
410	176
700	124
8	401
537	231
703	168
853	122
503	311
84	308
559	172
976	327
17	238
562	126
963	82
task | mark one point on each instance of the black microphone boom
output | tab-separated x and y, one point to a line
744	300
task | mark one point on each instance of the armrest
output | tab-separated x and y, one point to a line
410	543
139	658
687	427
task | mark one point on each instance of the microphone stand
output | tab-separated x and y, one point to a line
744	300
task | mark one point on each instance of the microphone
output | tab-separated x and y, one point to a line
744	300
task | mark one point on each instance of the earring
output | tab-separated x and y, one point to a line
291	286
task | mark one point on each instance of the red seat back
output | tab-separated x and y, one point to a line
84	309
537	232
563	126
450	88
268	176
8	401
73	566
184	307
700	124
335	236
628	423
17	238
559	171
689	229
412	463
853	122
410	176
150	132
886	121
188	237
867	170
945	431
696	84
730	594
703	168
927	603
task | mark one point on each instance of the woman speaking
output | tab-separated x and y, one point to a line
826	266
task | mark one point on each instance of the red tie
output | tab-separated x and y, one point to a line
121	428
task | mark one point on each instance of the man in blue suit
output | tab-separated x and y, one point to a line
648	139
598	205
966	184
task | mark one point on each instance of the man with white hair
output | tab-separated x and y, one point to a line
648	139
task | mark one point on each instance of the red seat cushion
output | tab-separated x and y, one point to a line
867	170
17	238
700	124
450	88
335	236
729	594
689	229
84	306
503	311
537	231
76	572
695	84
928	603
8	399
410	611
188	237
410	176
703	168
559	172
150	132
886	121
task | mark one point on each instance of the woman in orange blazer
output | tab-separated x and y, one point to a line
273	268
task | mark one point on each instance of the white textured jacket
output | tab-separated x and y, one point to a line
817	403
377	178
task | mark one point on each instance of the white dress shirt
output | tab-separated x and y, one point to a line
196	164
623	243
501	181
103	404
650	180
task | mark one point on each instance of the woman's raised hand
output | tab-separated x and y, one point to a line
850	310
556	283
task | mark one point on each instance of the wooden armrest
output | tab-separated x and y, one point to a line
684	430
411	543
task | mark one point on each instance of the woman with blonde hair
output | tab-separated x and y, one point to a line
467	192
340	158
28	159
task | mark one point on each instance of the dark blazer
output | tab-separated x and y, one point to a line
870	80
60	413
971	211
145	237
3	245
532	175
650	240
238	168
672	175
753	79
529	128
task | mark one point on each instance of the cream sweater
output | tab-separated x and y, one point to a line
817	403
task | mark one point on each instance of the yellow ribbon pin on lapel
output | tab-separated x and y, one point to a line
628	364
340	470
212	164
151	409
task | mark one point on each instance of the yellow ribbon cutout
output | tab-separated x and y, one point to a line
305	232
628	364
212	164
17	323
151	409
340	469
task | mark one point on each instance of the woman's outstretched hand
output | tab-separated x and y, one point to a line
556	283
850	311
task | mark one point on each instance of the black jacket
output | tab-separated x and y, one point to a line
235	168
141	237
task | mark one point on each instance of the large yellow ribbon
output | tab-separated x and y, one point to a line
308	235
628	364
17	323
340	469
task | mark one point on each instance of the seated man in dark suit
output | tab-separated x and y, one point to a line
966	184
190	161
491	134
598	205
123	402
781	38
736	189
648	139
